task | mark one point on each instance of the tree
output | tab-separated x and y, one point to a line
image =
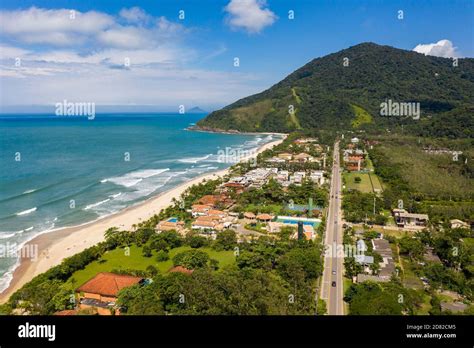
146	251
226	240
305	260
250	259
141	300
191	259
195	241
151	271
322	308
162	255
412	247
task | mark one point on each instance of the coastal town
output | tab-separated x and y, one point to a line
286	194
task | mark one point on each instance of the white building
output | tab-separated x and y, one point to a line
317	176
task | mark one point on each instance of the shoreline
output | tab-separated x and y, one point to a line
56	245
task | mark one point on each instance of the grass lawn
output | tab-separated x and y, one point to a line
410	279
376	183
364	185
258	227
117	259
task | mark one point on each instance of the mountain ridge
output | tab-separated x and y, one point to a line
330	91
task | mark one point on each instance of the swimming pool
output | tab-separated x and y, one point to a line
173	219
294	220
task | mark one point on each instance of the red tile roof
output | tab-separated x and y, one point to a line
108	284
181	269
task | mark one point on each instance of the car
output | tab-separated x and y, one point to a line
334	272
333	284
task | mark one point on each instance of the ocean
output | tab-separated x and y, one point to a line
65	171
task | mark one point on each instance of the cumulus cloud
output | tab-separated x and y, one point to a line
442	48
55	27
130	57
249	15
134	15
65	27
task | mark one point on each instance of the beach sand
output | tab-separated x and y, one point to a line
56	245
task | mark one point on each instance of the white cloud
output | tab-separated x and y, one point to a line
442	48
71	28
10	52
134	15
250	15
56	27
126	37
60	60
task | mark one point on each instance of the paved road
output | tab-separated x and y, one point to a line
334	263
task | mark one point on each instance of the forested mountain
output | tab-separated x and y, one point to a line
345	90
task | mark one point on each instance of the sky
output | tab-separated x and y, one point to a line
169	53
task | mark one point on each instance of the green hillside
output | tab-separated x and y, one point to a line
325	93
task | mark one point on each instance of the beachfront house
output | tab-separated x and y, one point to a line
169	225
285	156
303	157
204	223
100	293
200	210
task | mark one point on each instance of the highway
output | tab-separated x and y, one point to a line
332	283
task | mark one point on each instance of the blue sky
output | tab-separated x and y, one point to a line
141	52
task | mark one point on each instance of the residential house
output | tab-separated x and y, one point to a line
264	217
285	156
455	223
302	158
167	225
200	210
317	176
101	292
249	216
405	219
204	223
387	266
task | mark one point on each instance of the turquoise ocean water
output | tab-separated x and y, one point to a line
65	171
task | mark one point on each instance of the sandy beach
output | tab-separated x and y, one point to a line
56	245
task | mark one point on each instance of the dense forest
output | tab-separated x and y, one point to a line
344	90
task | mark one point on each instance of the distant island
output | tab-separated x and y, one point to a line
196	110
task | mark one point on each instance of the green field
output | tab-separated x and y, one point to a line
369	182
410	279
436	177
376	183
363	186
118	259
